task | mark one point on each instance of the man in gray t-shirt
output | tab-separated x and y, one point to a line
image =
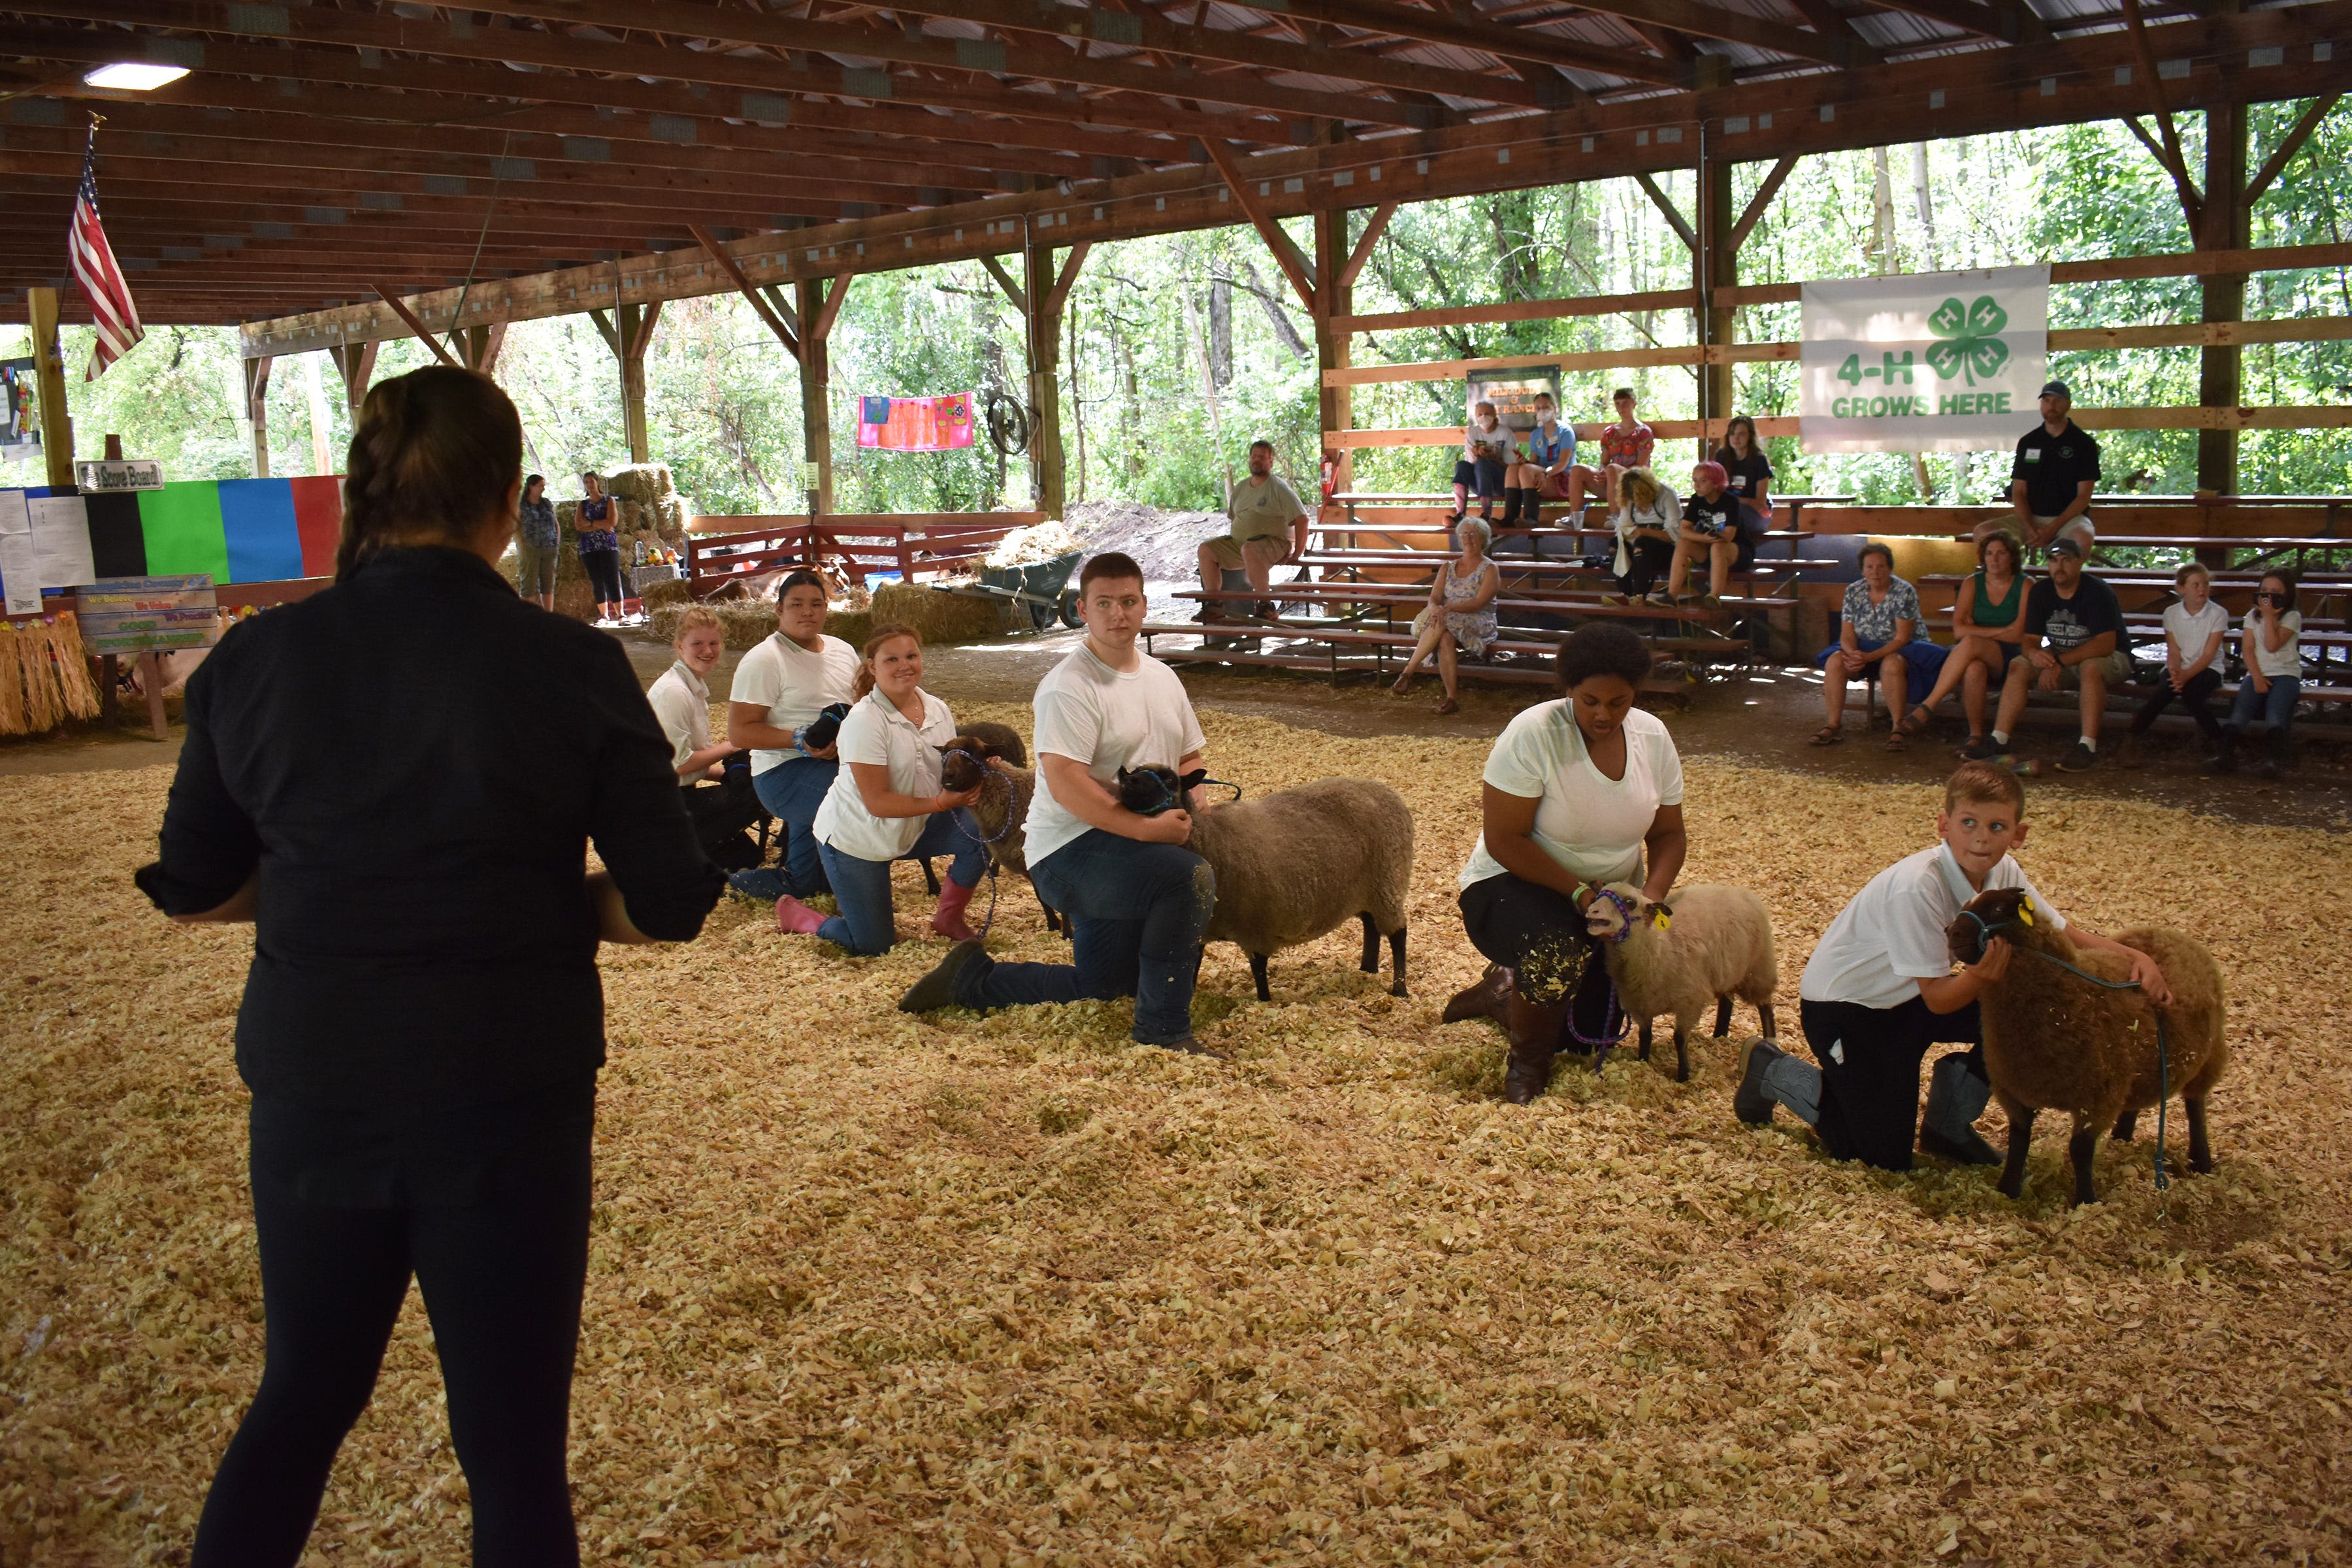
1267	527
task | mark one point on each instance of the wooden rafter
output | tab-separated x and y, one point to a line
1448	26
1286	254
1666	204
2192	204
760	306
391	296
1761	201
1362	251
1006	281
2275	164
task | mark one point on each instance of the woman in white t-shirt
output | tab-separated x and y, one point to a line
2274	682
886	805
1579	793
782	688
2194	632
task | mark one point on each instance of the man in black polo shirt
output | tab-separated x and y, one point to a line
2056	469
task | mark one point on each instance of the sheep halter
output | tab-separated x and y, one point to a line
1986	930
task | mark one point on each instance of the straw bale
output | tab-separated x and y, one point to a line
1006	1290
73	666
12	685
745	623
939	617
673	592
641	482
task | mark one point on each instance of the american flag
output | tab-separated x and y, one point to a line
101	281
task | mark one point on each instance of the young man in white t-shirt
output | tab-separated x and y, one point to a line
1880	990
781	687
1137	900
713	773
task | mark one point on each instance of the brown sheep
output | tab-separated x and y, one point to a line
2054	1041
1001	815
1715	943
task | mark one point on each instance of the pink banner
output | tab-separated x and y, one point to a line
916	424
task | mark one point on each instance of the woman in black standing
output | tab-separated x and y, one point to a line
406	824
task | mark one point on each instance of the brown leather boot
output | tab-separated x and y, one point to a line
1535	1038
1489	996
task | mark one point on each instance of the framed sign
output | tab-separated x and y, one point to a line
104	476
1513	392
149	615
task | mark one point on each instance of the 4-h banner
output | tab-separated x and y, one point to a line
1933	361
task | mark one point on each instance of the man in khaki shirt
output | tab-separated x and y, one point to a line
1268	528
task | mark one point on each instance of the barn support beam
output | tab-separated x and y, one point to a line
628	332
257	412
2219	379
478	347
1336	265
355	363
49	385
818	306
1047	290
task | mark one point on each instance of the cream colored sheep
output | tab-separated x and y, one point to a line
1705	944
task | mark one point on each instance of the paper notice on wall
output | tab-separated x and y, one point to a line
1934	361
61	541
18	575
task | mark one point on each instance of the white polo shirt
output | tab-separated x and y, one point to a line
875	733
1589	823
682	702
1891	937
794	685
1107	719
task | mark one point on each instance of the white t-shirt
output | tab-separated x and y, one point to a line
1891	937
682	702
1502	437
1109	720
1666	512
794	685
877	733
2288	659
1589	822
2189	633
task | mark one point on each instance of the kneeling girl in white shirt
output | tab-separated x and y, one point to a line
886	805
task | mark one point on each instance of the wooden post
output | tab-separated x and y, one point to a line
49	383
356	364
1334	296
477	348
150	677
257	408
817	306
1044	323
2223	227
1717	256
636	332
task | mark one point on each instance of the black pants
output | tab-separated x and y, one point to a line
722	811
604	569
2192	699
1540	934
1870	1061
1653	559
501	1277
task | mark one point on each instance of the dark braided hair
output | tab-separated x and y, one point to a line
434	456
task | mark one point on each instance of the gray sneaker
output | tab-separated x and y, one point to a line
1749	1102
937	989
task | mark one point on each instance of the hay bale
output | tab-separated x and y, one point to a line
745	623
641	482
673	592
852	626
939	617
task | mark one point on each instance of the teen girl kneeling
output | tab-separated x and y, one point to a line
886	805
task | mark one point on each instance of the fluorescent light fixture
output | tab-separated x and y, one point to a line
134	76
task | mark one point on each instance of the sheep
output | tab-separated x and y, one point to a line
1295	864
1706	944
999	815
2054	1041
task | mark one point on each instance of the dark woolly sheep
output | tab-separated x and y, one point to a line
1001	815
2054	1041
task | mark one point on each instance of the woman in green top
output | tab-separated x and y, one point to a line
1988	628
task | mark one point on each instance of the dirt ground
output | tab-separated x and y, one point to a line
1009	1292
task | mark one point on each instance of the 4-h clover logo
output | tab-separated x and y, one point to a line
1969	340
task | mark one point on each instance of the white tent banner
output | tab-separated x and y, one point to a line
1930	361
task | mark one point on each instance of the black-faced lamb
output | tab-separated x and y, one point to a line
1706	944
2055	1041
1001	815
1297	863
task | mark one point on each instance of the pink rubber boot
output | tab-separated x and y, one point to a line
792	915
948	919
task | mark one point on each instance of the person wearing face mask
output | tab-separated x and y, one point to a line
1488	447
1266	528
1550	452
1578	792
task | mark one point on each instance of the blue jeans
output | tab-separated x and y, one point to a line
862	887
2276	706
792	792
1136	913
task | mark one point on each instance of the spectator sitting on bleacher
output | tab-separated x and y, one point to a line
1987	629
1487	447
1549	451
1648	518
1268	526
2273	683
1623	445
2194	632
2057	469
2073	634
1460	616
1880	637
1716	528
1749	471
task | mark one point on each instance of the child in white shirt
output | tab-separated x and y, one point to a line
2273	683
2194	631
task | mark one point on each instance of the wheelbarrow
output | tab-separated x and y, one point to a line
1041	594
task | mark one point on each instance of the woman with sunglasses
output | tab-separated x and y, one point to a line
2273	680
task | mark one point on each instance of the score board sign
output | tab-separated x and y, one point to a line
149	615
1931	362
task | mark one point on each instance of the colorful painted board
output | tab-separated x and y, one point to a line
916	424
232	531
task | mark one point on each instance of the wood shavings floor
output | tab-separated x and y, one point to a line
1006	1290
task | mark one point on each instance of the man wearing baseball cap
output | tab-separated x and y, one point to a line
2074	635
2057	468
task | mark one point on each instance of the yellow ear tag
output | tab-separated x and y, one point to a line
2025	911
1658	918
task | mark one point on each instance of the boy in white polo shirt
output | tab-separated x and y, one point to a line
1880	990
1137	900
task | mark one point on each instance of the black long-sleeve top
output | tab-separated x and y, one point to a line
415	761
